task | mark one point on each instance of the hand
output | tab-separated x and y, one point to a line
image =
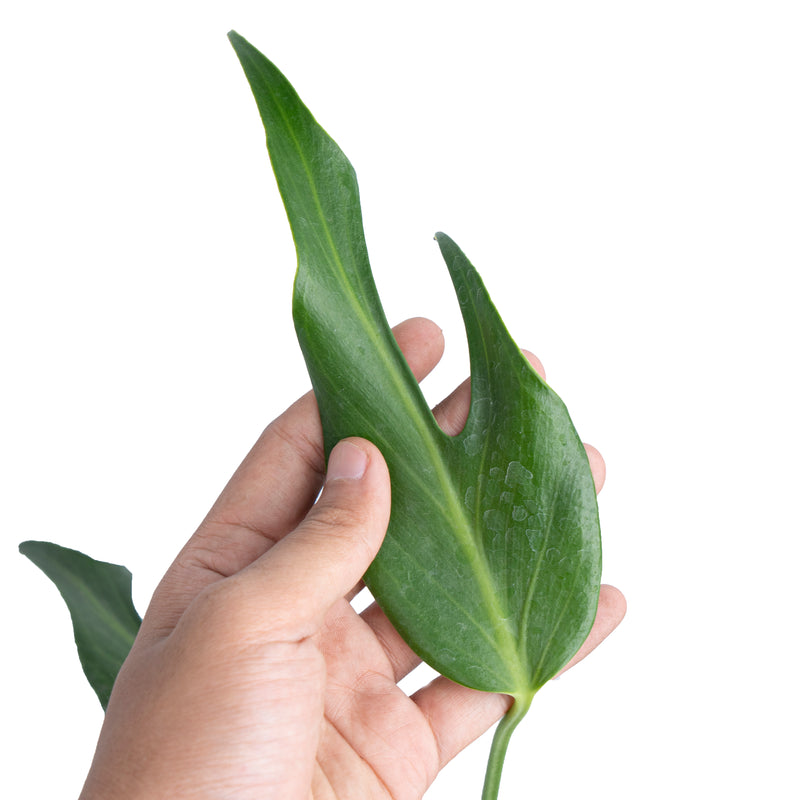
252	675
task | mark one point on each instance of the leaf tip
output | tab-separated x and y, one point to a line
238	42
29	546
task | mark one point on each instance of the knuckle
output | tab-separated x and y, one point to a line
349	526
305	443
333	518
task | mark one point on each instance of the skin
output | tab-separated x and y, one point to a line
252	675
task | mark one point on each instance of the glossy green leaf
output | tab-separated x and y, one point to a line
491	566
98	596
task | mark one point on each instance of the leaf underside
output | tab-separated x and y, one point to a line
98	596
491	566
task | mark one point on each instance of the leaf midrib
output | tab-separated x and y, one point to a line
516	653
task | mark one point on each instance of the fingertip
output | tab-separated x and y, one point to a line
422	343
598	466
535	363
425	328
611	608
613	604
347	461
352	458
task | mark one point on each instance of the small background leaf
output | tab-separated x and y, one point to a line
98	596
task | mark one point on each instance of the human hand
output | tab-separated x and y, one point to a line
253	676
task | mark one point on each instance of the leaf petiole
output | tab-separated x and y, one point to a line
502	736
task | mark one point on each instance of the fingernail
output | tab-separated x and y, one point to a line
347	461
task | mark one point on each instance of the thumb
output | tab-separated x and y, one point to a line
328	553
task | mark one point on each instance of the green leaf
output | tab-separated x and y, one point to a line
490	568
98	596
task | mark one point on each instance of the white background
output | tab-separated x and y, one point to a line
624	175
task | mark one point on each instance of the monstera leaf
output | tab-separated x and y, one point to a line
491	565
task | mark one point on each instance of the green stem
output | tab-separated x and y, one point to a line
502	735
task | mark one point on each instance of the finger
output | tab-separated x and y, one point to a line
401	657
611	608
458	715
302	576
535	362
269	494
598	466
